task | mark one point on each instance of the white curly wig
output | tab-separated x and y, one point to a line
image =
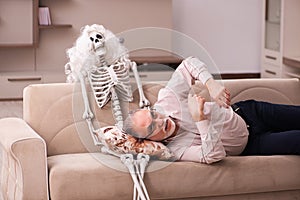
83	56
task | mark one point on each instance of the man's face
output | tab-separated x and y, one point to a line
152	125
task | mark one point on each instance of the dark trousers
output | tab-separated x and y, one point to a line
274	129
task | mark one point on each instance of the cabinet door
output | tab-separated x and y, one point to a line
273	24
16	22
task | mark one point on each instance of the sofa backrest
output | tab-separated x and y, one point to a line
282	91
55	111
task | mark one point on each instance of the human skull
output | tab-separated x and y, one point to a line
96	35
97	38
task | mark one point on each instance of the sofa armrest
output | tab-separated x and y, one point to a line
23	161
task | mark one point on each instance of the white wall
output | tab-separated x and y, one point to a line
116	15
230	30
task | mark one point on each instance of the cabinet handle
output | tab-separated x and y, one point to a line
24	79
270	72
271	57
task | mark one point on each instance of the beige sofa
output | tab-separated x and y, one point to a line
49	154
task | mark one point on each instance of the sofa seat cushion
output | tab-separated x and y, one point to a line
83	176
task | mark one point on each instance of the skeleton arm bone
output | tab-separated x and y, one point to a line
87	114
93	132
144	102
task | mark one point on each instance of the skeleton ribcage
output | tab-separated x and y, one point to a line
105	79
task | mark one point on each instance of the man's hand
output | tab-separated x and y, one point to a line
196	106
218	92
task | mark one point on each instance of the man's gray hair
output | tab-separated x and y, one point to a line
128	124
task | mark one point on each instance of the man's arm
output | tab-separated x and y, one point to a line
198	70
218	92
211	150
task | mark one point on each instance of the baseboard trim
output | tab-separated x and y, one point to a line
236	76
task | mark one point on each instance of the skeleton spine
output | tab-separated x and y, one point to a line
116	107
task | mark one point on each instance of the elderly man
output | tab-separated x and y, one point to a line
208	131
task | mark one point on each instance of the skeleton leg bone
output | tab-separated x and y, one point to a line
128	161
141	164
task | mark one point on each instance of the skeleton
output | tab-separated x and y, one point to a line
99	58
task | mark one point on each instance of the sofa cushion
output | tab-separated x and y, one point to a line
86	176
119	142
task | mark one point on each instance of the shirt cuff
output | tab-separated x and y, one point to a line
203	126
198	69
204	76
